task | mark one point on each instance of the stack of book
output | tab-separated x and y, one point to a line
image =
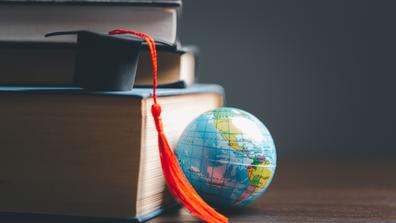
67	152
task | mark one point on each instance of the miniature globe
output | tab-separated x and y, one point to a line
228	156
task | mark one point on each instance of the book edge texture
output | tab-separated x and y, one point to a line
142	93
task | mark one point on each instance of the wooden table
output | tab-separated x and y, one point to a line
316	191
320	191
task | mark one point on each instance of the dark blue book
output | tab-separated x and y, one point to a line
69	155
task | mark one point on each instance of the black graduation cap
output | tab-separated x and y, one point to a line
105	62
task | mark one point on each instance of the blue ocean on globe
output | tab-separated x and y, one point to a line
228	156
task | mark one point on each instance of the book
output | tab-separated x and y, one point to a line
29	20
66	152
32	63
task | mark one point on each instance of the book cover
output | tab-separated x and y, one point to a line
162	3
136	92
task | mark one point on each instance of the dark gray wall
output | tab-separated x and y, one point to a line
319	74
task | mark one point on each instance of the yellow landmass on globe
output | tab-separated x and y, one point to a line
259	174
259	177
228	131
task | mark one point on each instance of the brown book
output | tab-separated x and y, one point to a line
28	63
66	152
29	20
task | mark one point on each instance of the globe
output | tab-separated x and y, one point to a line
228	156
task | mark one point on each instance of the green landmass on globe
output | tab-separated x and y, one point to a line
228	155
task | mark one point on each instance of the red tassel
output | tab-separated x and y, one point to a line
174	176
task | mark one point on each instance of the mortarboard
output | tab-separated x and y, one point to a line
106	62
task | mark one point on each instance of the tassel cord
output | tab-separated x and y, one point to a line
174	176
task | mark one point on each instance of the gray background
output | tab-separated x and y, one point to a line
319	74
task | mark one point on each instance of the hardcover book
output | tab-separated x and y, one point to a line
28	63
29	20
70	153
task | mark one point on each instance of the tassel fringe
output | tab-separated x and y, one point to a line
174	176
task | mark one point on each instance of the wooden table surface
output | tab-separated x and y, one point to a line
320	191
317	191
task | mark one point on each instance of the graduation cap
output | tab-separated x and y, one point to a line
106	62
